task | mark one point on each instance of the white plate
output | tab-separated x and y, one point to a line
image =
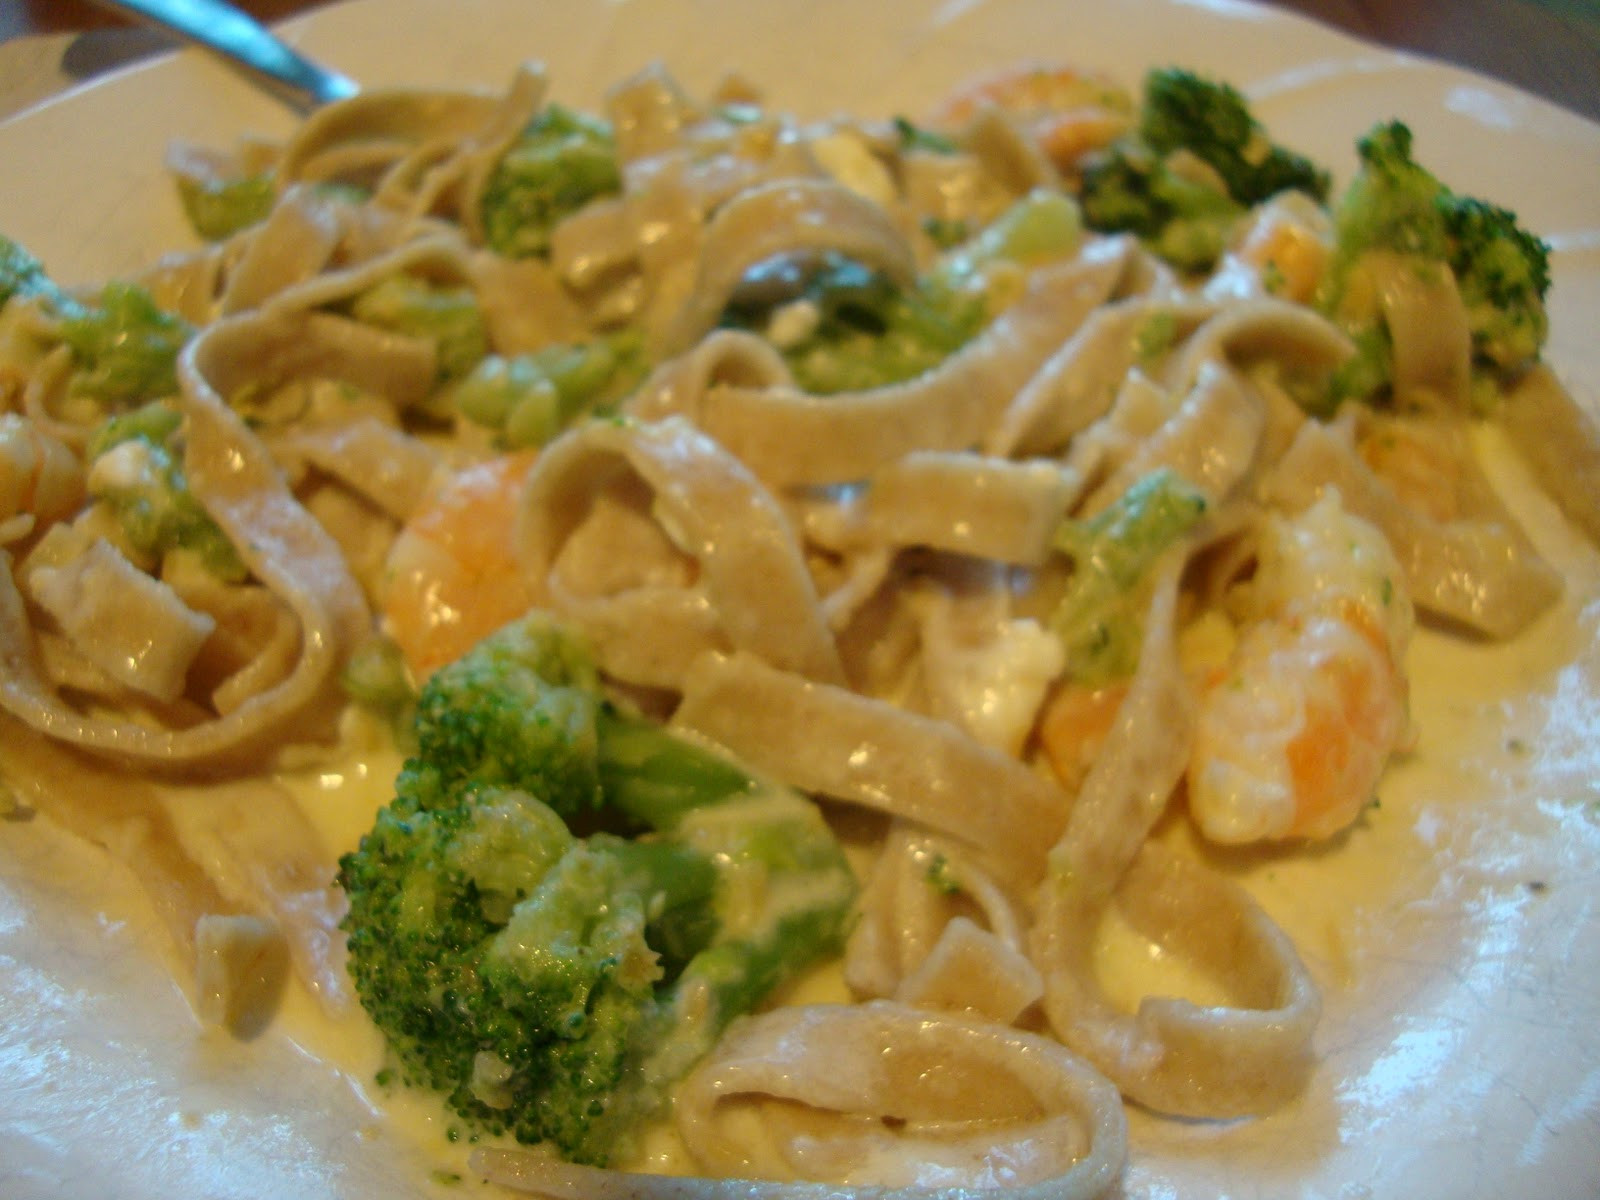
1455	932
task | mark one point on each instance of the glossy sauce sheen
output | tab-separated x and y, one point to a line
1454	930
1423	891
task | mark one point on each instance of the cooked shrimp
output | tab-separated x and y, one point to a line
1294	733
1289	257
41	479
1424	461
1067	111
451	576
1283	251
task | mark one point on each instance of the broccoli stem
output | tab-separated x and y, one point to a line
657	778
1098	618
682	884
549	975
1397	208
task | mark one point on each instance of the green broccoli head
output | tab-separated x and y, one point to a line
137	472
1146	183
520	711
561	161
124	347
22	275
219	208
1392	203
1129	189
529	398
1396	205
552	986
1503	272
447	316
505	960
421	906
843	326
1213	121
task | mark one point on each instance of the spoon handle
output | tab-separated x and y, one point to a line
240	38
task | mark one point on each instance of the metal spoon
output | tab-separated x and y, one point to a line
246	43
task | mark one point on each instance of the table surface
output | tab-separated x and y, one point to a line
1548	47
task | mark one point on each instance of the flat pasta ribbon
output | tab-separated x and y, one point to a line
200	852
787	436
750	589
235	478
881	1100
785	217
829	740
938	931
1479	569
1174	1056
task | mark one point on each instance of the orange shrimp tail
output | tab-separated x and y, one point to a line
1350	730
453	576
1067	111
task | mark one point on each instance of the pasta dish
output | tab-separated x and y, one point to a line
807	579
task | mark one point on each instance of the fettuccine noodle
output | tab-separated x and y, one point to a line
856	592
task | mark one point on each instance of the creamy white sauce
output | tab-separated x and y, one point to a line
1452	930
341	801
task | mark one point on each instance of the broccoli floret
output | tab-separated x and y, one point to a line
1141	185
1503	272
23	275
843	326
124	346
565	904
1394	205
136	470
561	161
1099	616
518	711
219	208
529	398
1213	121
1129	189
447	316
